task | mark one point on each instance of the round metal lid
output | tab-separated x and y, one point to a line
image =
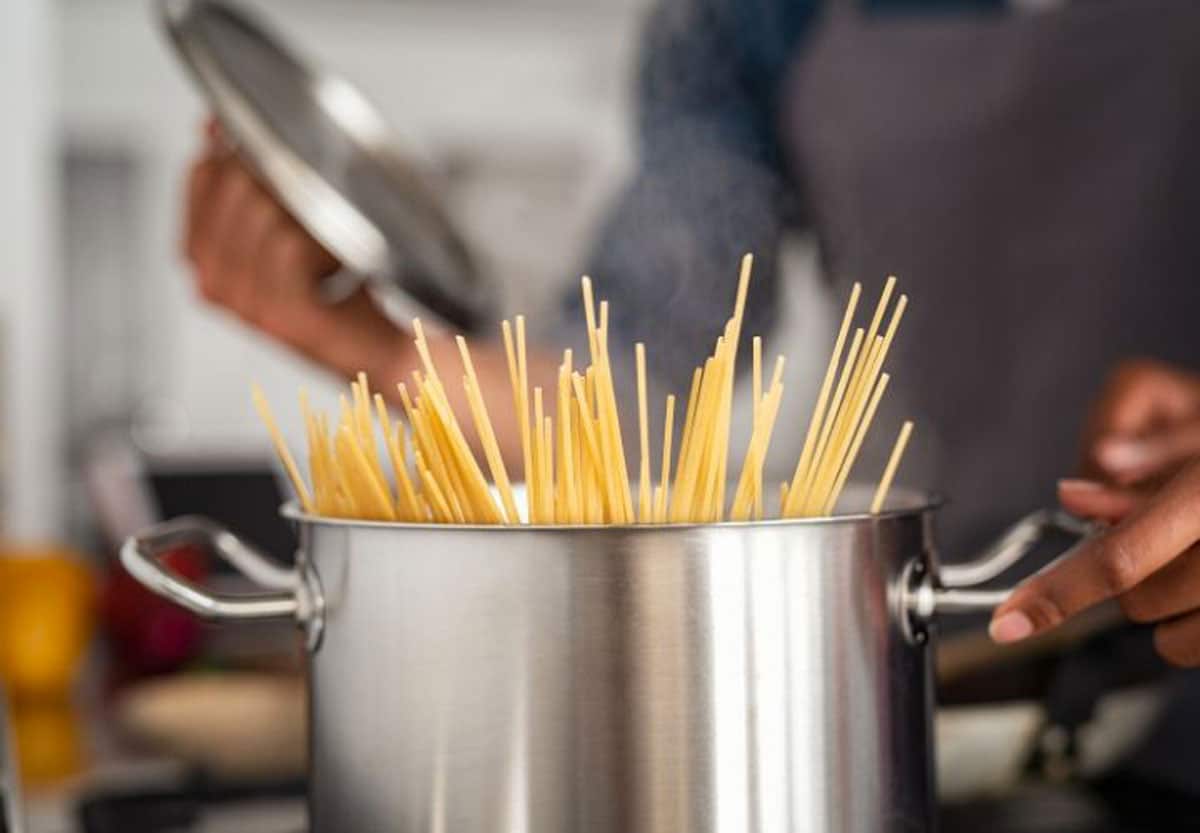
331	160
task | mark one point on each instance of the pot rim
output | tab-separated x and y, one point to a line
924	502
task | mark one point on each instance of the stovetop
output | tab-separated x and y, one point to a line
198	806
1117	805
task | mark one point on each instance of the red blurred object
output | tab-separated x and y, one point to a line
150	635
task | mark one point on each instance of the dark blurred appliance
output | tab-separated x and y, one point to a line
130	485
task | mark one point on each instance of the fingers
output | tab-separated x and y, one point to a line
216	219
293	262
1107	566
244	246
1134	459
287	274
1140	399
1140	394
251	258
1144	428
251	221
1089	499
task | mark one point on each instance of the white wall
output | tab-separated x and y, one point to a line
30	358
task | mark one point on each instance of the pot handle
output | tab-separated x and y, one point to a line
295	594
951	590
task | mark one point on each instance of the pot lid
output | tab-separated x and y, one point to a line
330	158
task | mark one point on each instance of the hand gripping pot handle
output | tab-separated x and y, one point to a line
295	594
952	588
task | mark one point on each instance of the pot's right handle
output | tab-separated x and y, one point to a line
295	595
952	590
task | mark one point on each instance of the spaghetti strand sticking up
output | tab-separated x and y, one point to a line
568	438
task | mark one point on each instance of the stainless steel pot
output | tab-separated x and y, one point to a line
770	676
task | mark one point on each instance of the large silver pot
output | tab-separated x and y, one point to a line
758	677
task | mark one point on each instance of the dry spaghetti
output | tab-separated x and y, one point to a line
367	465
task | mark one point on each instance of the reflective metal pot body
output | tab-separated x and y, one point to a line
771	676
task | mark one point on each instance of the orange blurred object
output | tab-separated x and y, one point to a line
47	601
49	741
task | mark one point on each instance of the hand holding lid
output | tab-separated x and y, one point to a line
328	157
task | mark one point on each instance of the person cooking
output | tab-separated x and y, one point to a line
1027	168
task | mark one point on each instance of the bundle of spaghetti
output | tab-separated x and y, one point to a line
347	477
748	499
840	423
699	490
370	466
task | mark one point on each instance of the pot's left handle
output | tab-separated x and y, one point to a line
954	588
294	594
